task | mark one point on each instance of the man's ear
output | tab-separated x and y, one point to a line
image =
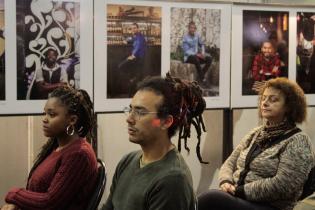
167	122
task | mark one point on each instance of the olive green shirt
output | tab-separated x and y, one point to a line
162	185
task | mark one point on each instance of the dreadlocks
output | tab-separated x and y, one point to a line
183	100
78	103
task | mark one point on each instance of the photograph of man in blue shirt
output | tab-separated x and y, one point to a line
194	52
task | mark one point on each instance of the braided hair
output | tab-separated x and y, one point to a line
78	103
183	100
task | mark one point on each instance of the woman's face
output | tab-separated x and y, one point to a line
56	118
272	105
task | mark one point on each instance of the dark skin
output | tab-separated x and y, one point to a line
55	121
45	87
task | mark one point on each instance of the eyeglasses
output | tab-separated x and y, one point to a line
136	113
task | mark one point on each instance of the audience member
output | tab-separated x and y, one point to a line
65	171
267	170
157	177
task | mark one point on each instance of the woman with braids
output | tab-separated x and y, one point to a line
267	170
157	177
65	171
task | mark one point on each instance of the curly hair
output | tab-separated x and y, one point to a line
181	99
295	100
78	103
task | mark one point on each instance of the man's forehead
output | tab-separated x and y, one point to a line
146	99
267	44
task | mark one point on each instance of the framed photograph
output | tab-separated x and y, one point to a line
2	53
46	51
304	21
127	49
260	50
199	48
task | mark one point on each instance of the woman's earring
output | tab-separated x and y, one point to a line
70	130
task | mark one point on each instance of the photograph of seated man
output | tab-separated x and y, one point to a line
135	59
196	46
49	56
266	65
133	47
194	52
265	48
50	76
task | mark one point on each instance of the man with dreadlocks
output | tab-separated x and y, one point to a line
157	177
65	171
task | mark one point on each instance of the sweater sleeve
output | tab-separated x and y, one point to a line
228	167
295	164
172	192
72	174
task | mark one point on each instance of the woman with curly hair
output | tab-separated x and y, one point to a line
267	170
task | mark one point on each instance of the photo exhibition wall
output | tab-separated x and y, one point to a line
230	50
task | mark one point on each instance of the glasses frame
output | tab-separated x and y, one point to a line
137	114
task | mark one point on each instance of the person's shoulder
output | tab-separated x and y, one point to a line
301	137
299	141
80	148
259	55
177	175
253	131
249	136
132	156
175	165
186	36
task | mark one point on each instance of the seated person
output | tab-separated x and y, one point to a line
65	171
157	176
266	64
194	52
267	170
50	76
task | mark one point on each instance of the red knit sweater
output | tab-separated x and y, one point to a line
64	180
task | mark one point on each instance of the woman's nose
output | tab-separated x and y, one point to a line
45	120
265	102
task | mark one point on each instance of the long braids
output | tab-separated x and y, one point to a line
183	100
191	108
78	103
